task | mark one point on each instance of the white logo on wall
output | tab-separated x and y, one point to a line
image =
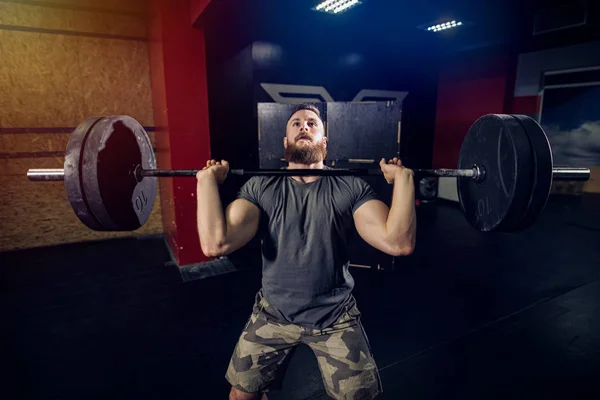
288	94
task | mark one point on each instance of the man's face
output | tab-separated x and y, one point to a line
304	140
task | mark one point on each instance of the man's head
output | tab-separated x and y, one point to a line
305	141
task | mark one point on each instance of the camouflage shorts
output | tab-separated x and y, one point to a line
343	354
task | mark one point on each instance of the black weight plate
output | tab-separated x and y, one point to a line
542	171
498	143
114	147
73	178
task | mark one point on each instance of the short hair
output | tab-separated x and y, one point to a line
306	106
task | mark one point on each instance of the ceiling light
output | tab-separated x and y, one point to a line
324	4
345	6
335	6
443	26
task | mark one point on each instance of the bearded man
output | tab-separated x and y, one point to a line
305	223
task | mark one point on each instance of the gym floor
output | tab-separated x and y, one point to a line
467	316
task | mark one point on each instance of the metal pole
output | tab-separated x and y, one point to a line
558	173
570	174
462	173
269	172
48	174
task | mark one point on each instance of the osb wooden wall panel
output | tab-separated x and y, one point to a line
40	74
63	61
121	7
120	83
57	80
77	21
34	143
39	214
37	143
593	185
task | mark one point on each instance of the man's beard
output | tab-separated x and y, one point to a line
306	154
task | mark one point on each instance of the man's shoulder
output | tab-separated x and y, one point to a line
352	180
259	189
262	181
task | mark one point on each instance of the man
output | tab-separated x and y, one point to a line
304	223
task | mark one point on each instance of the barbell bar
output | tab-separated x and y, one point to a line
477	173
505	172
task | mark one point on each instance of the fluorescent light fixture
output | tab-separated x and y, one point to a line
345	6
324	4
444	25
336	6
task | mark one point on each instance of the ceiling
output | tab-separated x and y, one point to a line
395	22
387	27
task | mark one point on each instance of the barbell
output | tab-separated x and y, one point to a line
505	172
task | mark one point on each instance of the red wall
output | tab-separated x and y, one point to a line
468	88
180	100
196	9
528	105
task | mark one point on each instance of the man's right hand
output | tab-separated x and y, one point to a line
218	169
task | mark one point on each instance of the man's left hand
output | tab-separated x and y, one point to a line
393	169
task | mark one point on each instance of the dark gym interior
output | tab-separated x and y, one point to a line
92	314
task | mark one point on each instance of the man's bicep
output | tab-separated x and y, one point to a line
243	218
370	219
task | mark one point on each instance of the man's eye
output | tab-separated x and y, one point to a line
295	124
311	124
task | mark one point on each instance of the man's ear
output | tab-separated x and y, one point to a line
325	141
285	142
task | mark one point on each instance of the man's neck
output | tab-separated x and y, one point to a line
305	179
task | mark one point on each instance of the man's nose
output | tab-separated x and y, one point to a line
304	127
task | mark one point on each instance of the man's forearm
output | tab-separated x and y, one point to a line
402	221
212	226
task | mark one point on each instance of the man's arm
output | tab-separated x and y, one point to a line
222	233
391	230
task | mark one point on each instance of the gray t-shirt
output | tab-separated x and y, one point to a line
305	228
